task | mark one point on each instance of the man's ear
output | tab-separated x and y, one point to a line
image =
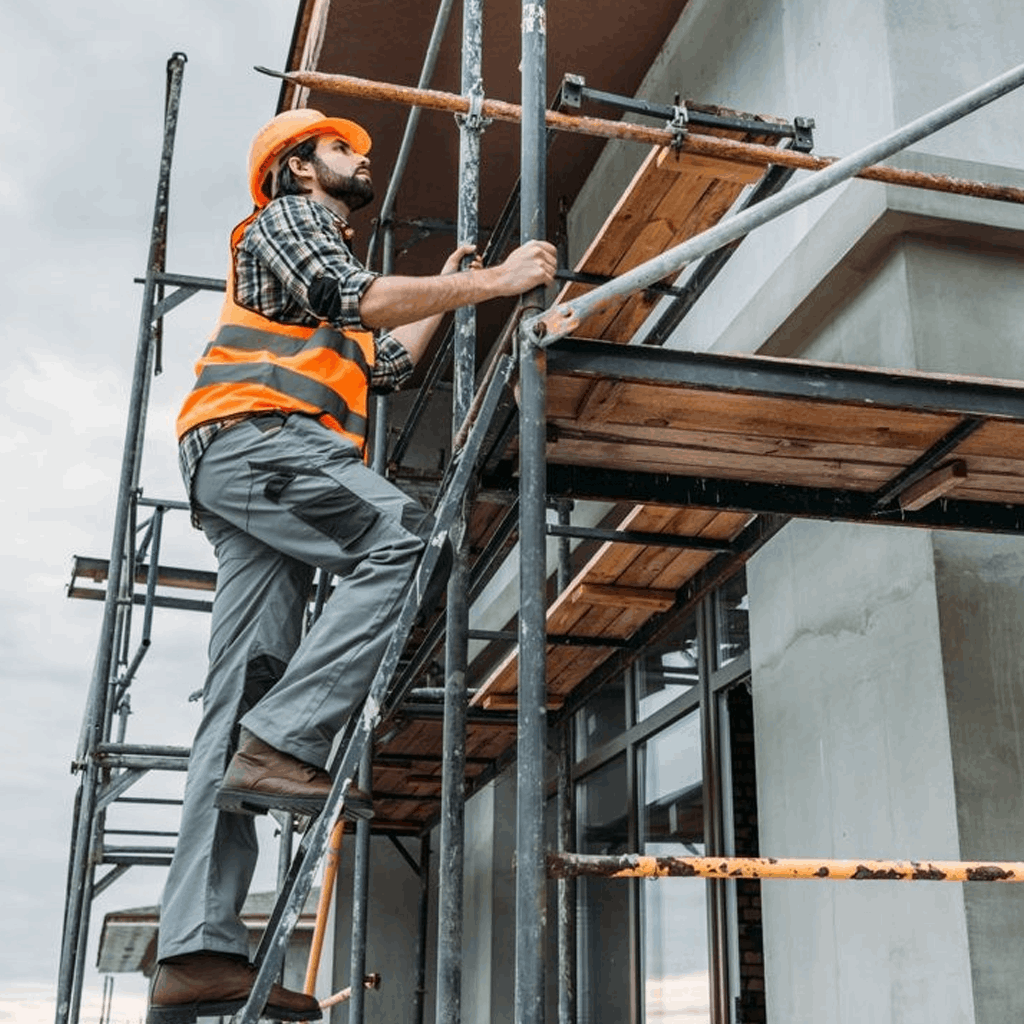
302	170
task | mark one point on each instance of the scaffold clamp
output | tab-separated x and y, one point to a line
803	134
474	118
678	124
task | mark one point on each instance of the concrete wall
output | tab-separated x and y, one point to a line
980	585
854	760
860	70
887	679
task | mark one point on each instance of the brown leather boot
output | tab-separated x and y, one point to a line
260	777
213	985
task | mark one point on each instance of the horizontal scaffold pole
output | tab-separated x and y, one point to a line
565	317
632	865
698	144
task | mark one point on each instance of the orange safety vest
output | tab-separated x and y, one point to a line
253	364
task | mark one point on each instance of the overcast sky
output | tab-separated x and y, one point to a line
83	89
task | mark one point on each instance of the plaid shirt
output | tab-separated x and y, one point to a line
293	241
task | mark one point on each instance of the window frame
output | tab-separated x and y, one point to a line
707	698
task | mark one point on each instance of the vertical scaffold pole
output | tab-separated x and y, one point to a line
360	896
451	856
81	868
566	887
423	920
530	872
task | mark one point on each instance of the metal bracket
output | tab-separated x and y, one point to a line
678	124
474	119
572	91
803	134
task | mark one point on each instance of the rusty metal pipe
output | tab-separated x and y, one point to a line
701	145
369	981
631	865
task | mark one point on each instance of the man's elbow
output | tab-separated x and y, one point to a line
373	308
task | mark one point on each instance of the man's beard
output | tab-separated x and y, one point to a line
355	190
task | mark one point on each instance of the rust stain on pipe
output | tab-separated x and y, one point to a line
569	865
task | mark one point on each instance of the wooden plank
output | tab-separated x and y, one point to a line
633	209
933	486
667	437
623	597
759	415
510	702
678	162
996	438
713	205
862	476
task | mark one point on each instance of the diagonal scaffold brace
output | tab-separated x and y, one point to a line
379	700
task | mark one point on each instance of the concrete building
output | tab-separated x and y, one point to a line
871	676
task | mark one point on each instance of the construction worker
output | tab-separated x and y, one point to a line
271	445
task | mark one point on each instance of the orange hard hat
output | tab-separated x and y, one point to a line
288	129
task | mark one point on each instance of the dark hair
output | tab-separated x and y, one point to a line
284	181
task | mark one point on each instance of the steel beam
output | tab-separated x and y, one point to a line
765	376
587	482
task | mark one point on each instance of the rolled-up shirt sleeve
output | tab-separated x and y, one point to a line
392	366
296	241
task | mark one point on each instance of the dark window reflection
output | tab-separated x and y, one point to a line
675	916
732	621
668	670
602	719
602	907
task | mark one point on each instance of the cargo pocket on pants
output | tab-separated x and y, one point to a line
340	514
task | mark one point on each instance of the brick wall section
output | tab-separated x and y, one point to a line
748	891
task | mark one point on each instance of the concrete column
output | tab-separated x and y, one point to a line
854	760
980	585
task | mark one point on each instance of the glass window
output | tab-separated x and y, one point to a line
732	622
602	718
668	670
675	950
602	908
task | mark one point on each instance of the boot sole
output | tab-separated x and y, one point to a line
188	1012
245	801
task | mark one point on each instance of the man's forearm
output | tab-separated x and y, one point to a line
415	337
394	301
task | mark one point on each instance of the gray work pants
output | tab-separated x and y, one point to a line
278	497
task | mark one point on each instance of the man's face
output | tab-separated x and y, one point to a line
343	173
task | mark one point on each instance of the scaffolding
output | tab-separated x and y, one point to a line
915	450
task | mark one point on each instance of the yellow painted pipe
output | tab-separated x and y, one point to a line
567	865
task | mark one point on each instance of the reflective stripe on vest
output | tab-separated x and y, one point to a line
251	339
287	382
